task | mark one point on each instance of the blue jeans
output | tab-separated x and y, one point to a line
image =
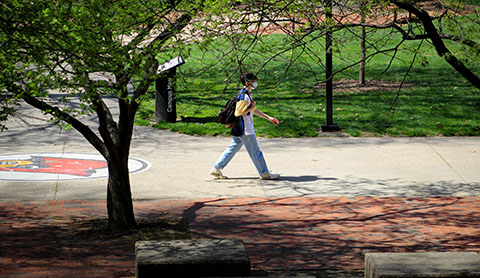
251	144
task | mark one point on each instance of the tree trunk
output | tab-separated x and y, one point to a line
361	74
119	196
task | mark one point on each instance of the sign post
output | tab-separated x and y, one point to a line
165	91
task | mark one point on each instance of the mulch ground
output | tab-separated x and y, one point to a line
40	239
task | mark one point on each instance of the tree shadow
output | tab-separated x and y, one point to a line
201	120
36	240
354	186
279	234
335	233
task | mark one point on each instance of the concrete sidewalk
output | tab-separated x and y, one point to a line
310	167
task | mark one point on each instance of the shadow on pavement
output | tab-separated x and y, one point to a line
280	234
335	233
304	178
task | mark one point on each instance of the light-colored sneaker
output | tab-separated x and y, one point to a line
217	173
269	176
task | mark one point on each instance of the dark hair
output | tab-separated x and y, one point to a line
247	77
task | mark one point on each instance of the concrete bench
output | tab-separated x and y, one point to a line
191	258
428	264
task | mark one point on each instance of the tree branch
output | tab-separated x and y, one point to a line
56	112
438	43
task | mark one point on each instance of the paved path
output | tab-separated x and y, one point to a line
310	167
338	198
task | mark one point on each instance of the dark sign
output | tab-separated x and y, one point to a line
165	97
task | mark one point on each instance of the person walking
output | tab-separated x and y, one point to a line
243	133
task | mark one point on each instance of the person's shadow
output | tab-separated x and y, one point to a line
304	178
294	179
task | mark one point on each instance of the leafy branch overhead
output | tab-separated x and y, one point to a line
440	23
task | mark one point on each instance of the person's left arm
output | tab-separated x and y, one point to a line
265	116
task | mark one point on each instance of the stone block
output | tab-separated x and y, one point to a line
427	264
191	258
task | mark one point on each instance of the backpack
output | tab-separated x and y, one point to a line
226	116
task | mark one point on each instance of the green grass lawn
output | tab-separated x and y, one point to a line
439	102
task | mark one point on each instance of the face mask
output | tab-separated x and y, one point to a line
254	85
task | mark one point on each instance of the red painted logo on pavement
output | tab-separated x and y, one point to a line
56	166
39	164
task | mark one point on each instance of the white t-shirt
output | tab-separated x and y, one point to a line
248	119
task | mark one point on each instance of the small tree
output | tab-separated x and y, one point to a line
62	45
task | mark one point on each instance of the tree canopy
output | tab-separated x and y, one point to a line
64	46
